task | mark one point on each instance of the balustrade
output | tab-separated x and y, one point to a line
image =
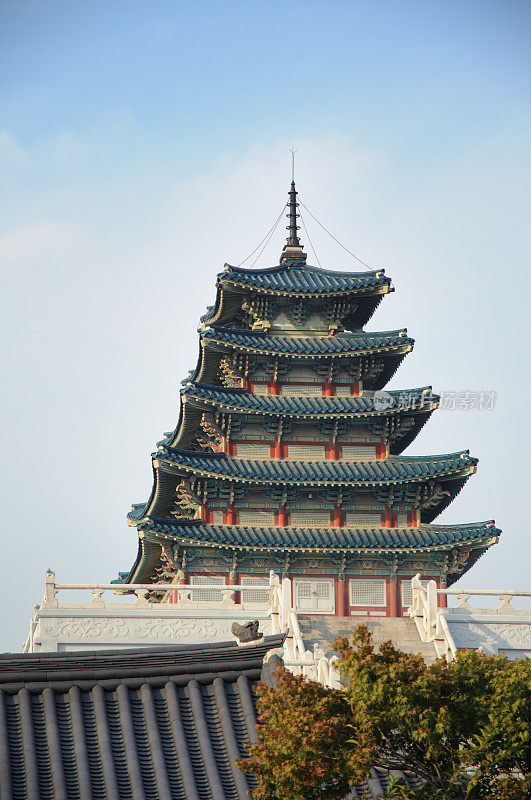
431	621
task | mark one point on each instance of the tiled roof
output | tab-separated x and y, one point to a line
147	723
242	400
394	469
346	344
423	537
297	278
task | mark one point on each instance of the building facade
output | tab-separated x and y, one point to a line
288	452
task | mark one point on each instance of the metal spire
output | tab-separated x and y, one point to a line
293	228
292	248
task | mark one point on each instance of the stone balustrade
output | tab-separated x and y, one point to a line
493	630
110	615
181	594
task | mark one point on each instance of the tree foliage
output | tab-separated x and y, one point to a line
461	729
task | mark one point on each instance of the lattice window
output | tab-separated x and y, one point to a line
260	388
217	517
368	592
254	595
255	517
309	518
302	390
402	519
358	452
207	595
253	450
305	452
406	593
360	519
343	391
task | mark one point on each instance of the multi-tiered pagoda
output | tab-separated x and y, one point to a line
288	455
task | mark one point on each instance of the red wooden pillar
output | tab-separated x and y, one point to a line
332	451
282	515
231	581
441	598
181	580
341	605
337	517
381	451
230	517
276	449
329	389
392	588
274	387
387	517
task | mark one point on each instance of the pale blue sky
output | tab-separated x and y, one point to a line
144	144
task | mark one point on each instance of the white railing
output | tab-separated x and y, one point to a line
313	664
431	620
176	594
504	597
310	663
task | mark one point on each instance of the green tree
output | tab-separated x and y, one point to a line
462	729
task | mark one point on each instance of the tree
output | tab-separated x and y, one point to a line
462	729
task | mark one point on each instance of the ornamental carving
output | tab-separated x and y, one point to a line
136	629
188	501
213	435
504	635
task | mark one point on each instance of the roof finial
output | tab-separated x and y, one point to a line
292	248
292	151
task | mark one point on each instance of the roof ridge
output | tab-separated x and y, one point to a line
310	267
258	334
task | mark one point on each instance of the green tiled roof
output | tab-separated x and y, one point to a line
425	536
395	469
297	278
342	344
244	401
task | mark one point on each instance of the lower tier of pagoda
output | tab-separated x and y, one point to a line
345	571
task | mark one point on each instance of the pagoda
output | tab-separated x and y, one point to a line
288	453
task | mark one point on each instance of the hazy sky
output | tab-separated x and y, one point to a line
142	145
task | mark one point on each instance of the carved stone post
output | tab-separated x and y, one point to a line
49	589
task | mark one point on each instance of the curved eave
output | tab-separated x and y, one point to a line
346	345
154	535
350	540
236	401
146	561
160	500
329	473
293	279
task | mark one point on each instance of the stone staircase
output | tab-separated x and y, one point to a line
402	632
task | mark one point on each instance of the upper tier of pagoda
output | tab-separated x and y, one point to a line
396	416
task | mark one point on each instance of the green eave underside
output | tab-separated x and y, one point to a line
300	279
279	538
395	469
342	344
242	401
